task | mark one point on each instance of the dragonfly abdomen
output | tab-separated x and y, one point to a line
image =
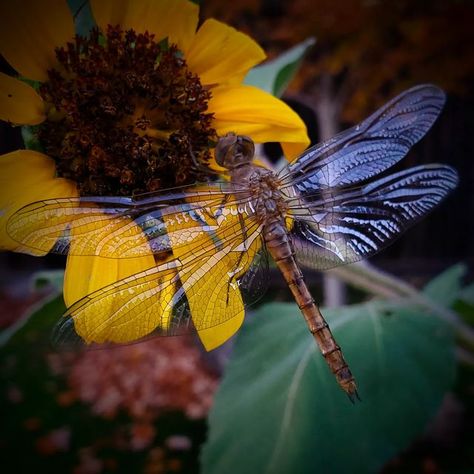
281	250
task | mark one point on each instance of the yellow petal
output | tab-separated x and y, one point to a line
85	273
30	32
293	150
214	299
211	266
220	53
19	103
173	19
27	176
247	110
123	315
214	337
118	313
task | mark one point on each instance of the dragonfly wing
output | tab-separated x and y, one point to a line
369	148
357	222
117	227
197	289
254	282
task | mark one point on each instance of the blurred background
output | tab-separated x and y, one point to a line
143	408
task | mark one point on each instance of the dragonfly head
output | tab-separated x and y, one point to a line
234	151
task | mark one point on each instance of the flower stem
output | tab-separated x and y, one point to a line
368	278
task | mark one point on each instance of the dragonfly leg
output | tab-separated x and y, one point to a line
199	166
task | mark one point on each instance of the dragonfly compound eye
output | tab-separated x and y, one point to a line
247	147
225	149
234	150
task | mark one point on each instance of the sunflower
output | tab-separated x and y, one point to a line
129	108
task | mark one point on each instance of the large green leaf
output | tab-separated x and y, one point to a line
446	287
279	409
275	75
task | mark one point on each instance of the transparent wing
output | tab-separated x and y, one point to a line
369	148
254	282
196	291
124	227
357	222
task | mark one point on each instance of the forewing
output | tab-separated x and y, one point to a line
118	227
369	148
196	289
356	223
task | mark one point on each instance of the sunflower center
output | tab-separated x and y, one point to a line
126	115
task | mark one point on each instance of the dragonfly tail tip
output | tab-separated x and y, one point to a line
354	396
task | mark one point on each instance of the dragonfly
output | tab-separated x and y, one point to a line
333	205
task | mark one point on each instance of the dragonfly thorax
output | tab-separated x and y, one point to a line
236	152
267	199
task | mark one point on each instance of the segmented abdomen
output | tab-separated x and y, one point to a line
279	246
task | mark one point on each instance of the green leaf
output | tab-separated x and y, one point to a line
467	294
446	287
83	19
275	75
35	326
279	409
38	321
30	138
50	279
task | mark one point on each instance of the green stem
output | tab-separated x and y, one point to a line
367	277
